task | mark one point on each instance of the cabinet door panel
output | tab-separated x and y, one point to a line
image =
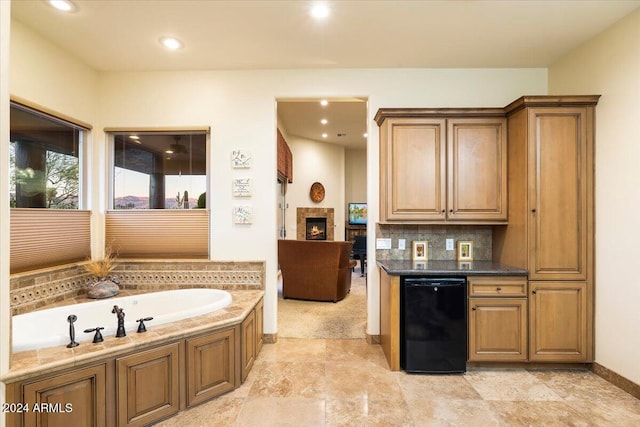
84	390
210	366
558	194
148	388
477	169
248	332
497	329
415	155
558	321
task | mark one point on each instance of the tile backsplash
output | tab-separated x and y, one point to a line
435	235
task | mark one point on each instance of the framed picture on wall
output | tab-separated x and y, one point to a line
419	250
465	250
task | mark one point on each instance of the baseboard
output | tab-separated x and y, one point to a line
617	380
269	338
373	339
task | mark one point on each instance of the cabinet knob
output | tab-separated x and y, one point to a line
443	211
533	291
533	210
450	210
498	289
474	308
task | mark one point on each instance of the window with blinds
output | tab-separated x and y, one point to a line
158	193
48	225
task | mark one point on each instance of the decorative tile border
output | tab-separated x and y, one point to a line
32	290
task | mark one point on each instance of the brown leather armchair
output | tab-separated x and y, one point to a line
315	270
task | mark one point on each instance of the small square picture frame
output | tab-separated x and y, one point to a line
419	250
464	265
465	250
420	265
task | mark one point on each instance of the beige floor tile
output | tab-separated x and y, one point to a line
436	387
621	413
354	380
390	411
579	385
450	413
294	350
354	351
281	411
287	379
222	411
528	414
509	384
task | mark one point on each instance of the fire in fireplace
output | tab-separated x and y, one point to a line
316	228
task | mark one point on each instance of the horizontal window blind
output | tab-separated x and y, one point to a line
46	237
173	233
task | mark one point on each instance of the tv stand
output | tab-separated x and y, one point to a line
350	231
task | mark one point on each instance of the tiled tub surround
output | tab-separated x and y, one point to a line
36	289
32	363
436	236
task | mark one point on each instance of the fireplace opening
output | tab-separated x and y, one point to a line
316	228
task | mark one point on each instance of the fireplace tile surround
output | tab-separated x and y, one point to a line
301	221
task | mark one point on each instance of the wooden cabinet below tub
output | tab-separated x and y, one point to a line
147	384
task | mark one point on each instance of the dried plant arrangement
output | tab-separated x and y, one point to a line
103	267
104	286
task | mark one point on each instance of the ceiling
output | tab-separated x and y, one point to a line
280	34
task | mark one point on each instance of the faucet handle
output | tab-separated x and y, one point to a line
141	327
98	336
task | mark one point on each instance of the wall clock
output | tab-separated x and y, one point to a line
317	192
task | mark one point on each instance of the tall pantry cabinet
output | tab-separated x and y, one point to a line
551	221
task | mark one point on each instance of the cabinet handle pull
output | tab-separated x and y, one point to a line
533	291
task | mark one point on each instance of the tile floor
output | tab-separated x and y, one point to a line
300	382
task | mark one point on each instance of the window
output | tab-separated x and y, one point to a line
46	172
44	160
159	170
158	194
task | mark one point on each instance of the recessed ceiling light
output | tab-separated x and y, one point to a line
134	137
324	102
63	5
171	43
324	135
365	134
324	121
168	151
320	11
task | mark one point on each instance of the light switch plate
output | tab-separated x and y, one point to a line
383	243
401	244
449	244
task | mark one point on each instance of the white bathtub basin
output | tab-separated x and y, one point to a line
49	327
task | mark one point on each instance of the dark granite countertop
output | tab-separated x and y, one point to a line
448	268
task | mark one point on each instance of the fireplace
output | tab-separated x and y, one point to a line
316	228
314	213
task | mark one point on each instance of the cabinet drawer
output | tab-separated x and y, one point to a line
497	286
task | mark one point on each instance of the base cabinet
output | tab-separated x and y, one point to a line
558	313
497	329
148	388
497	318
74	399
210	366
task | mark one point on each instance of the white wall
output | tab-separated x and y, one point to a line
315	161
609	65
240	108
5	23
355	176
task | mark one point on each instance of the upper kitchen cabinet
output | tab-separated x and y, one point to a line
443	165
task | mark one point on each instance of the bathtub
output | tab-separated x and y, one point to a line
49	327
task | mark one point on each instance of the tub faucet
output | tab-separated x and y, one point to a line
72	331
120	313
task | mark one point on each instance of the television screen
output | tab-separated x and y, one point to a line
357	213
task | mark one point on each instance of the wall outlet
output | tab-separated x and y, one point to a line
449	244
401	244
383	243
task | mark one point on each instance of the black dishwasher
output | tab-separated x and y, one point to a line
433	325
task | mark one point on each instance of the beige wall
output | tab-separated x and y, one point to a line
355	176
240	108
609	65
316	161
5	23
